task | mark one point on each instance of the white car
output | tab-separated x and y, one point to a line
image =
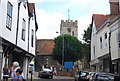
46	72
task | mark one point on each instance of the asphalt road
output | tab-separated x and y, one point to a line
55	78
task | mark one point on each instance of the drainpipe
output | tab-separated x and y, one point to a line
28	32
17	22
110	60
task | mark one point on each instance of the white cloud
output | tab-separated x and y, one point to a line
83	23
49	23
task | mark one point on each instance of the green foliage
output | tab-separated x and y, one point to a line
86	45
87	34
72	49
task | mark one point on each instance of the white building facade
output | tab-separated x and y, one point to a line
105	50
17	33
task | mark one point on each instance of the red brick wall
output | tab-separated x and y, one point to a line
114	8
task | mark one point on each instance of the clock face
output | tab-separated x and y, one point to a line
69	29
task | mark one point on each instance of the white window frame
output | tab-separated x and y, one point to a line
23	29
32	37
9	16
105	40
101	42
118	37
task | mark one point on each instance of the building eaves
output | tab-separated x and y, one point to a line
113	20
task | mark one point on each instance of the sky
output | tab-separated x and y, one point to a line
49	14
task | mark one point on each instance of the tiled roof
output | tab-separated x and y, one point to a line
99	19
45	46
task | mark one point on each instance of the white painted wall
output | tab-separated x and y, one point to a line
0	19
115	50
119	5
23	14
11	35
32	26
93	43
5	32
105	49
25	67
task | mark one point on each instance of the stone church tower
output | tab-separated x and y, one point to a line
69	27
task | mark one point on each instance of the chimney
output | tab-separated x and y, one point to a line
114	7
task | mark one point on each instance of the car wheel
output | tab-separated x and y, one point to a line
51	77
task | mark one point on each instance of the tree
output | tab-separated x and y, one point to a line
87	34
72	49
86	45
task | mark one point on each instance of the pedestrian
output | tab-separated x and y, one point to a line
6	72
19	75
14	67
55	71
117	77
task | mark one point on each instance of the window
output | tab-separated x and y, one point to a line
94	50
9	15
105	41
73	33
23	29
105	36
32	38
101	42
69	29
119	40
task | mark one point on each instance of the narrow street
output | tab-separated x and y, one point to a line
55	78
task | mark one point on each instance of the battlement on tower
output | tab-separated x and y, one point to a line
69	23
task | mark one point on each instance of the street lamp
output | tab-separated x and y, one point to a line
62	54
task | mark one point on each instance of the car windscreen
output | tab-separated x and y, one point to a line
83	74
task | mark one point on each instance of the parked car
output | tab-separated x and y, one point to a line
82	76
46	71
103	77
91	75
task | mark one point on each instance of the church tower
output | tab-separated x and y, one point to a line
69	27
